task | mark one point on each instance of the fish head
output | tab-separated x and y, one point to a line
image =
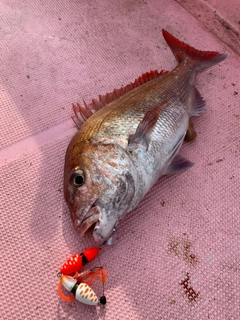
99	188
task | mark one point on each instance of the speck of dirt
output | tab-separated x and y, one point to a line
190	293
172	302
235	93
182	248
162	203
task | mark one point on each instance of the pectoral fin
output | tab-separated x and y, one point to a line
146	126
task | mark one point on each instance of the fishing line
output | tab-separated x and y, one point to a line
102	299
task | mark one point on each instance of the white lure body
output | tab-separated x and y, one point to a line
81	291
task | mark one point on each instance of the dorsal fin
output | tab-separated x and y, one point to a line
83	112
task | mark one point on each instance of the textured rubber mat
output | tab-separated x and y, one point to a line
177	256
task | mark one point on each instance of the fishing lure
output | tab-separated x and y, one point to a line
77	261
79	286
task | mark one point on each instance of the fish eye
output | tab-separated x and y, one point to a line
77	178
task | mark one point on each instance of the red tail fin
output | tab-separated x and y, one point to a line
182	51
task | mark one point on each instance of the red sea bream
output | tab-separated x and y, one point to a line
129	138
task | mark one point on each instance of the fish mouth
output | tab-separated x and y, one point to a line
88	223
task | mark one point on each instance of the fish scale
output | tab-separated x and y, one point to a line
129	138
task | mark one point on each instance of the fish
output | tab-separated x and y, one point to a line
127	139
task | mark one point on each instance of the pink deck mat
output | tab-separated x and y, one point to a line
178	253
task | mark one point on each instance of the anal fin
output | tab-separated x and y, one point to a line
199	104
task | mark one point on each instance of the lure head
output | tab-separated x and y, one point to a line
99	187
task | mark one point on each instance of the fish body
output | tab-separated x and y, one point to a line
129	138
